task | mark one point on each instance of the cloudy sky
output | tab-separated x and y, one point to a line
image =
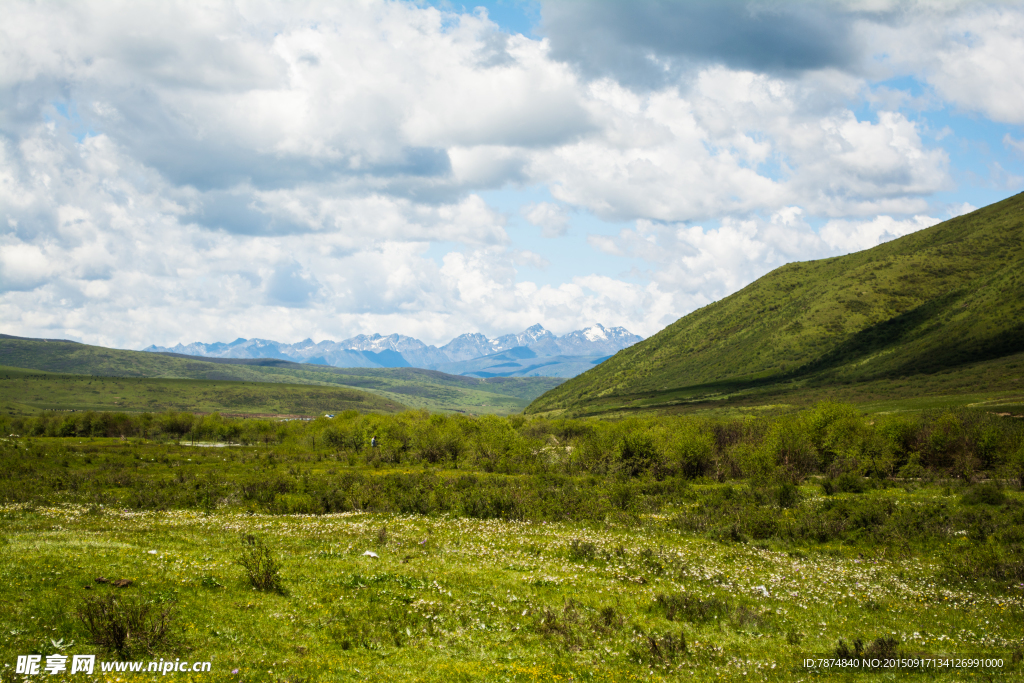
186	171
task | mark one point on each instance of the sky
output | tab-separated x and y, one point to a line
182	171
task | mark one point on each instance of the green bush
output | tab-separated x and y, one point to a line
127	626
262	569
844	483
693	450
580	551
687	607
638	452
787	495
984	494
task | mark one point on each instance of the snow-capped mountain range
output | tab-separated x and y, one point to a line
396	350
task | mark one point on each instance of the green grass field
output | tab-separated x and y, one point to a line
485	600
532	575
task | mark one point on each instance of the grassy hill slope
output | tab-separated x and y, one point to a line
947	298
30	391
411	387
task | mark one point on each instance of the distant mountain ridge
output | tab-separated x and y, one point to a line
574	351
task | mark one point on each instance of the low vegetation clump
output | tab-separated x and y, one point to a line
883	647
127	626
260	565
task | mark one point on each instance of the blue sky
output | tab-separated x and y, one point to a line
176	173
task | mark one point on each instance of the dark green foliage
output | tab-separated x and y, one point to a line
515	468
985	560
581	551
880	648
127	626
568	625
638	452
693	450
844	483
736	514
984	494
689	608
666	647
787	495
260	565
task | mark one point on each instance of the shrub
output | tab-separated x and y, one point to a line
126	626
566	625
638	452
685	607
844	483
665	647
880	648
984	561
787	444
580	551
984	494
832	430
260	565
787	495
694	450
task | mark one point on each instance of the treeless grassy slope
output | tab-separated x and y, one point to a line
940	299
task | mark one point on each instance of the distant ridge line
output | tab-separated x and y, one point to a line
262	362
38	339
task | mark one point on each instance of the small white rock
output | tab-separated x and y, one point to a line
370	553
151	552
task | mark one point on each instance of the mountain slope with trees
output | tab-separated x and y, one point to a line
942	299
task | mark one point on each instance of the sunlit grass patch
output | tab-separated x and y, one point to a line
462	599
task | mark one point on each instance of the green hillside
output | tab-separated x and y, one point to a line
30	391
402	387
948	300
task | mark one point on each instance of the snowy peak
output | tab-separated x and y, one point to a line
378	343
468	346
528	337
396	350
597	339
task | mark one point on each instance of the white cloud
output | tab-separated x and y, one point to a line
738	142
1017	145
23	266
549	217
1003	179
970	52
83	249
846	236
960	209
259	169
698	265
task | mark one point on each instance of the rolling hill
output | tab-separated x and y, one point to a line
24	392
382	388
944	301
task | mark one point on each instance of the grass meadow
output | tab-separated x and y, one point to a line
307	555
